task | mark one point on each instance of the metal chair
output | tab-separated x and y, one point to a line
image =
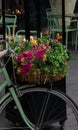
55	26
1	35
20	35
10	21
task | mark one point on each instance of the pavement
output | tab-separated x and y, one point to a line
71	89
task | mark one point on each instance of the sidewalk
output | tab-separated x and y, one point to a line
72	77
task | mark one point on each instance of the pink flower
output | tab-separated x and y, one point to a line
34	49
25	69
25	56
40	54
30	55
20	57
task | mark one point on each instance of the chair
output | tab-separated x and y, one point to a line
10	22
55	25
1	35
20	35
49	13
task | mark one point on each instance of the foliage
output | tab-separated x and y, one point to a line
43	53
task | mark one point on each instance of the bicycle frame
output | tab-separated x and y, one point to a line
11	92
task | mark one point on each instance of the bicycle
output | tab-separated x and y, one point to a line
43	112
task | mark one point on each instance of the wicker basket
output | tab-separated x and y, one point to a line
40	76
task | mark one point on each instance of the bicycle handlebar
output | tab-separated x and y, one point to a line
7	49
2	53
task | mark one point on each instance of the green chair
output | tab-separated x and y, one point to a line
20	35
55	26
49	13
1	35
10	22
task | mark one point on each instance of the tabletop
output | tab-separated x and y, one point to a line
74	15
70	15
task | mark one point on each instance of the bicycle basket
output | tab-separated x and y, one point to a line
40	76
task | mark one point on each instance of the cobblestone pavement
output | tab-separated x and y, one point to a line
71	89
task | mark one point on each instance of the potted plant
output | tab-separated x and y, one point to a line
40	60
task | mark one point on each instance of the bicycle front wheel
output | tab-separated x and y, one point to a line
48	109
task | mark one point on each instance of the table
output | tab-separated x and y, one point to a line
72	15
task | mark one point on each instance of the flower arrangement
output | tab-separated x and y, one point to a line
43	57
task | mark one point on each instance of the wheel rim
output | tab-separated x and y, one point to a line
55	114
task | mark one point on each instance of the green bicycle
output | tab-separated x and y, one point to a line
45	101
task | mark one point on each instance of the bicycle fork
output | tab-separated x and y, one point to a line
18	104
